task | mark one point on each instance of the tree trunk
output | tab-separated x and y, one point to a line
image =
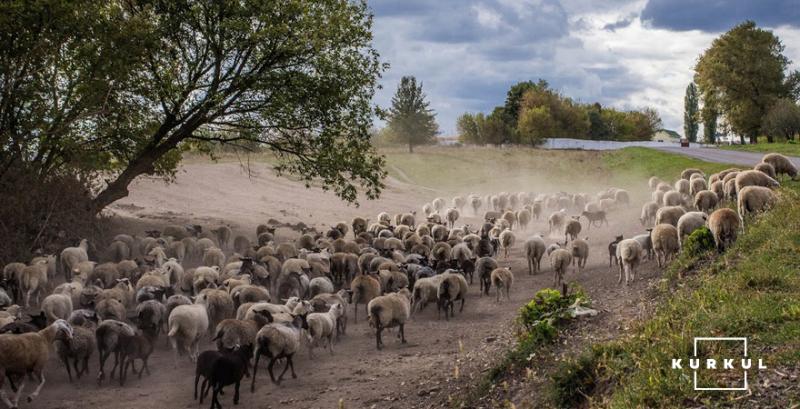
753	139
410	148
770	139
741	139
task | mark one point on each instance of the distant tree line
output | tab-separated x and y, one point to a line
534	112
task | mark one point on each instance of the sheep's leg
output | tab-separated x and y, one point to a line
18	394
116	362
236	393
270	368
402	334
101	374
379	328
146	367
35	393
65	360
285	368
196	381
330	343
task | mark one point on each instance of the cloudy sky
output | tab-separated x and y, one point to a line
622	53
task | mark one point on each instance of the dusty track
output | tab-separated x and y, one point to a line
357	373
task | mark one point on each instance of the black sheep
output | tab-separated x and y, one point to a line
220	369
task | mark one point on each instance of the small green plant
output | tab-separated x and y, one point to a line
699	242
547	306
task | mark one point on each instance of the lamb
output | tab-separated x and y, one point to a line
781	163
669	215
598	216
502	278
560	259
323	325
483	268
705	201
27	354
754	178
452	215
767	169
56	307
71	256
534	250
580	252
628	255
755	199
572	230
649	211
724	225
612	250
688	223
391	310
323	302
140	346
187	324
219	369
363	289
78	349
452	288
33	281
278	341
507	239
666	242
109	336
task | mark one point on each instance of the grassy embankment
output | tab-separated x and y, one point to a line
786	148
753	291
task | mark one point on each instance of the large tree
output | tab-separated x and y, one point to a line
116	88
690	113
411	119
783	119
745	71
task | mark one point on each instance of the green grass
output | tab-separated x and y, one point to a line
477	169
752	291
791	148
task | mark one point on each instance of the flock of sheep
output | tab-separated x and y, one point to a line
270	297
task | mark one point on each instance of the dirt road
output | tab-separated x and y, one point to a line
400	376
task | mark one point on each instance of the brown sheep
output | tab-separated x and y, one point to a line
755	199
363	289
665	242
781	163
724	225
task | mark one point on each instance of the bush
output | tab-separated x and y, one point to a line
699	242
547	304
44	216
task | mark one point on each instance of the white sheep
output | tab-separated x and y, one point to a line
323	325
502	278
688	223
319	285
628	257
560	259
665	242
724	224
187	324
71	256
705	201
507	240
669	215
648	216
580	252
755	199
781	163
534	250
57	306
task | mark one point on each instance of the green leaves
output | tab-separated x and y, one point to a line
690	113
742	75
118	87
410	118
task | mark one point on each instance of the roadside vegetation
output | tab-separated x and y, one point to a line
790	148
752	290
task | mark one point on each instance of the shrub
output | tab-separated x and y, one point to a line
547	304
699	242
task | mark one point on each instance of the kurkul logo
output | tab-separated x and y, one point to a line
741	364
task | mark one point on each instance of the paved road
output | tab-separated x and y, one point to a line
722	155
